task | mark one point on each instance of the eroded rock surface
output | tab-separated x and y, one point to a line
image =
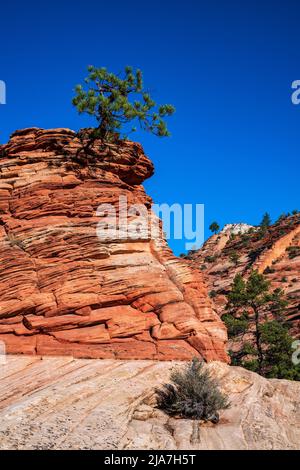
64	290
66	403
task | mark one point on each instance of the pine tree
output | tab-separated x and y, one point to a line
214	227
116	102
266	221
257	313
277	356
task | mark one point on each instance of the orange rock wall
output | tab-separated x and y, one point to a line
64	291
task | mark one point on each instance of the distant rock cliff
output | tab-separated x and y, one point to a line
64	290
240	248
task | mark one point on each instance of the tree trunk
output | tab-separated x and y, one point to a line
258	340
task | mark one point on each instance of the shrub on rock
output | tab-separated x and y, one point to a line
193	394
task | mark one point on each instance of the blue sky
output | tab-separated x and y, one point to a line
227	66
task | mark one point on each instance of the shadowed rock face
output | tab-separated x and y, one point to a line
64	290
66	403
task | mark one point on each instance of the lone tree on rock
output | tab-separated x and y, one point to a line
214	227
116	102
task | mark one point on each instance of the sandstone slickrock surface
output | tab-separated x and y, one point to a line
64	291
275	253
66	403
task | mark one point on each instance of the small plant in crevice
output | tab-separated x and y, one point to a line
269	270
13	241
213	294
3	153
234	257
210	259
192	394
254	254
293	251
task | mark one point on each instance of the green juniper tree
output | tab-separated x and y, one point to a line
256	313
277	356
214	227
115	102
266	221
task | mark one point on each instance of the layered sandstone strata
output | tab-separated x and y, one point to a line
64	290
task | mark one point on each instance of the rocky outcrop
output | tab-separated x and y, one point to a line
276	253
66	403
67	290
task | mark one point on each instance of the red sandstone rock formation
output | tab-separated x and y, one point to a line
276	254
64	291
